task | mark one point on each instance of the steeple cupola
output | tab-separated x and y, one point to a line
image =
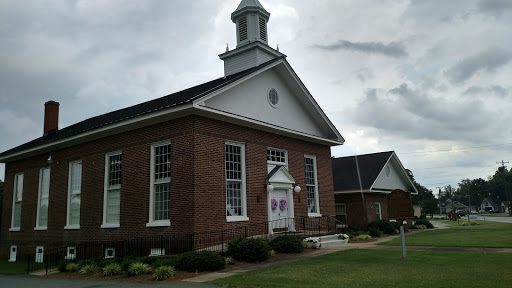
251	37
251	22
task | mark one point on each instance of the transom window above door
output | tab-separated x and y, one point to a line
276	157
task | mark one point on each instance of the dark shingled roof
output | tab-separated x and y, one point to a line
165	102
344	170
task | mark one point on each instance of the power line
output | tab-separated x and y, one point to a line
453	150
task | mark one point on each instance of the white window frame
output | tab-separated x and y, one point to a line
70	256
152	222
12	253
272	164
243	195
16	200
108	188
72	193
317	200
157	252
378	210
39	198
113	253
39	255
344	205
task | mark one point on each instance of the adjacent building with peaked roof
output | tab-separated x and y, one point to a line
196	160
361	184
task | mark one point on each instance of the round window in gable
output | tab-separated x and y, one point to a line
273	97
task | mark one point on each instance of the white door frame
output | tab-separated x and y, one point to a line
289	198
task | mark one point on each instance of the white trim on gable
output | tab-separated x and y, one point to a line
395	166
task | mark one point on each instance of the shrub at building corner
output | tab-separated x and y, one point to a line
286	244
384	226
200	261
423	222
249	249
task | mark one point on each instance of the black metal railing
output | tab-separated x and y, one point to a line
174	244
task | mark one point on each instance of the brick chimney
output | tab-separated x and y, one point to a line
51	116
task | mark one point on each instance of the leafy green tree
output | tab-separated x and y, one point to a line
423	192
430	206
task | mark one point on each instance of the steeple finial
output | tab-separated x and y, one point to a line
277	48
227	47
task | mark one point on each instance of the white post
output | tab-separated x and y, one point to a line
402	236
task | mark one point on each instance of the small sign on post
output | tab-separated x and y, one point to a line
400	209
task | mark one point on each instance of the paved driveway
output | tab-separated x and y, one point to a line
19	281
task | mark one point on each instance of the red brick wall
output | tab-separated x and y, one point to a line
197	187
355	209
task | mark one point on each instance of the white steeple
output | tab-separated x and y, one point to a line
251	37
251	22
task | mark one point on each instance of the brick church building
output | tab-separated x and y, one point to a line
197	160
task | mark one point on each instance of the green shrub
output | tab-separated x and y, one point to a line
249	250
424	222
229	261
149	259
168	261
305	245
105	262
163	272
423	216
62	266
200	261
87	269
127	262
72	267
362	237
138	268
112	269
374	232
286	244
384	226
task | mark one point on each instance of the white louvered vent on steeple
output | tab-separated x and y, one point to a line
263	30
252	48
242	29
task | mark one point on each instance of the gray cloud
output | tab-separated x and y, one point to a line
393	49
494	7
488	60
494	89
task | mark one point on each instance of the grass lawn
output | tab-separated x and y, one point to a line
384	268
487	234
12	268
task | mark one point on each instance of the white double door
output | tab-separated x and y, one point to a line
280	208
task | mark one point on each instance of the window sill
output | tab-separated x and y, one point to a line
15	229
237	219
314	215
159	223
72	227
109	226
42	228
11	260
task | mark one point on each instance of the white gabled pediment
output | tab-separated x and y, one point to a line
295	112
280	175
393	176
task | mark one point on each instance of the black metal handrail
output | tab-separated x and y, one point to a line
174	244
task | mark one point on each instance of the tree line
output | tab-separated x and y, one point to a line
496	188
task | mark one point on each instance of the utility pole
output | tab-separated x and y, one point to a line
504	181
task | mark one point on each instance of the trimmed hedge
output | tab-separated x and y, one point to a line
249	249
286	244
424	222
200	261
384	226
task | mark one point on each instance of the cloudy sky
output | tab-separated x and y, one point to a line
428	79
